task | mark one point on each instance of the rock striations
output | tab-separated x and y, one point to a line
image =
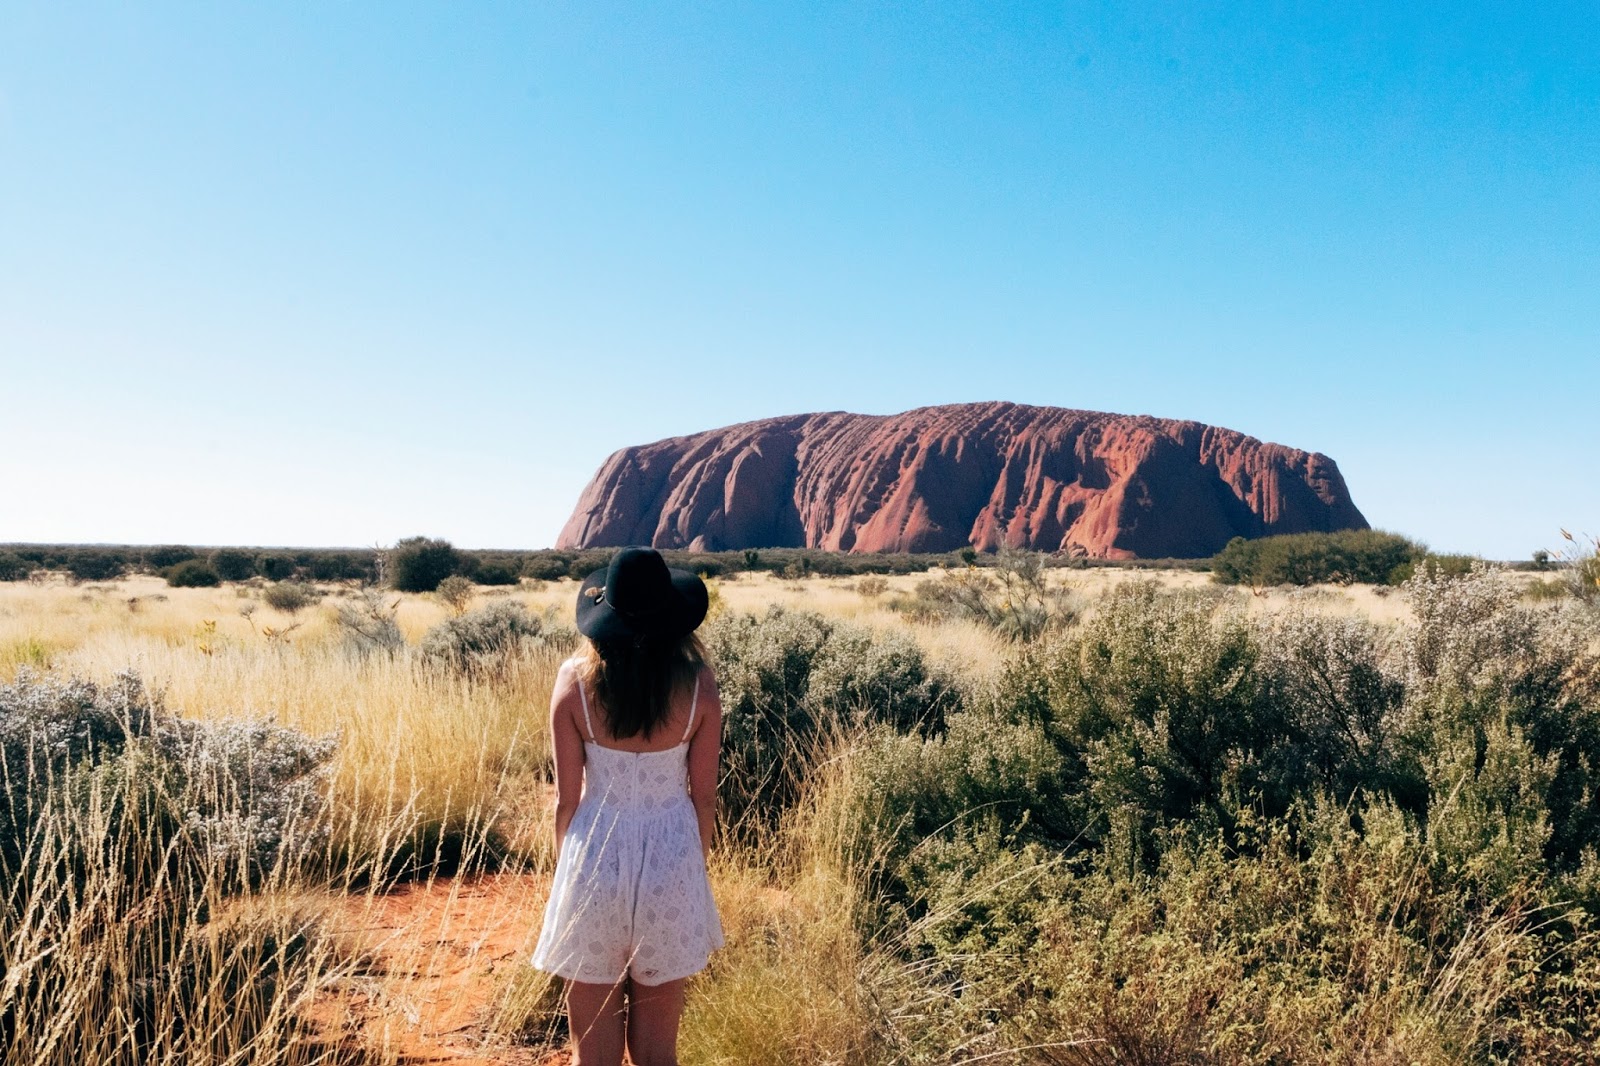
939	478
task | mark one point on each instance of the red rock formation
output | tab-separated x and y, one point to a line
939	478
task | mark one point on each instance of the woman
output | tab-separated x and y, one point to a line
636	726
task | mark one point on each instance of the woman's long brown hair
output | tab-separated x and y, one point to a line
634	681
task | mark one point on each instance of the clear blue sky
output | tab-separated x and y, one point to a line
337	273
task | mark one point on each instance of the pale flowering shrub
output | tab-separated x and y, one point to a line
1503	711
232	789
1335	683
484	641
127	837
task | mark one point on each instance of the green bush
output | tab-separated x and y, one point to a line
192	574
92	565
1519	687
343	566
13	567
1294	942
275	566
1182	833
486	640
1356	555
789	680
233	564
495	574
418	564
168	555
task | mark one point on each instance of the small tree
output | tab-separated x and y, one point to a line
232	564
13	567
275	566
418	564
92	565
192	573
456	591
291	597
168	555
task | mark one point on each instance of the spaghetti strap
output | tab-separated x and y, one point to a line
694	699
584	697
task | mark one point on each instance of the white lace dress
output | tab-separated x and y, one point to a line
630	896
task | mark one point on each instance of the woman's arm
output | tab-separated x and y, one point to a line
566	744
705	753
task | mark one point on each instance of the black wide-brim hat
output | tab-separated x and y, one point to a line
638	595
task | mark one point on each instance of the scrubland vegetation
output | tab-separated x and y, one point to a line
1003	814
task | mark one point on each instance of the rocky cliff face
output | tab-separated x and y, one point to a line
939	478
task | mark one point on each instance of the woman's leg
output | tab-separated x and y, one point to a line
653	1014
594	1017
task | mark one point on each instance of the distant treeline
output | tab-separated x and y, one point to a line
1365	556
420	563
101	562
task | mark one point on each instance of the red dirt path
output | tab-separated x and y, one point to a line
442	953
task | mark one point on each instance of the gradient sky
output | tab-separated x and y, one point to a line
338	273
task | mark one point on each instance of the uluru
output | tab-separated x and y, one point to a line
936	479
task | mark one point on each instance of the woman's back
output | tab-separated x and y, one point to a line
637	780
630	894
674	729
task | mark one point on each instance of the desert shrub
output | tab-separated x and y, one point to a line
1012	597
193	574
13	567
233	786
872	587
1340	697
91	565
904	792
1308	943
1449	565
275	566
124	832
368	625
1546	590
456	592
1365	555
483	641
1509	695
418	564
1581	562
547	566
789	679
342	566
1155	703
291	597
168	555
233	564
496	574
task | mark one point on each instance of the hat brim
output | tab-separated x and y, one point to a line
680	616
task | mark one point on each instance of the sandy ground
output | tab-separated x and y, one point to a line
443	952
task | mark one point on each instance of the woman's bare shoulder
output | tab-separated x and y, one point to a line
567	679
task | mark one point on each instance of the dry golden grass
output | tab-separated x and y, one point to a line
424	755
